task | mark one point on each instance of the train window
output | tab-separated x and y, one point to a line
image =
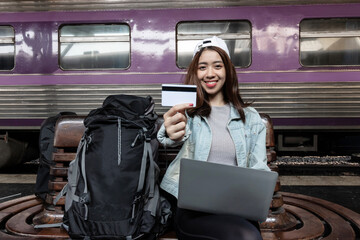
94	46
330	42
7	47
237	35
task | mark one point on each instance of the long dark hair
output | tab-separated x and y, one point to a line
230	89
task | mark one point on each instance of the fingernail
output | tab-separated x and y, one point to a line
191	104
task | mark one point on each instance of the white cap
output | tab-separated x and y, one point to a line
214	41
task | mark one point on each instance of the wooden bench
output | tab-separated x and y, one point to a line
68	132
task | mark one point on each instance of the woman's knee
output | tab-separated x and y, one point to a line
242	230
248	234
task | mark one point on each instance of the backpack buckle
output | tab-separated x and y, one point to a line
147	135
84	198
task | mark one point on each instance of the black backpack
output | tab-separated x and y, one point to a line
46	149
112	190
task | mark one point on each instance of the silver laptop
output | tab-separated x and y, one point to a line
224	189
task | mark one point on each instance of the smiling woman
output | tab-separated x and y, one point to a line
212	75
215	76
216	130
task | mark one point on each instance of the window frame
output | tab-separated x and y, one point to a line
93	39
224	36
9	40
326	34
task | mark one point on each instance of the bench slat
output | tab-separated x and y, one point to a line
64	157
339	227
342	211
312	228
50	199
58	171
56	186
16	201
18	225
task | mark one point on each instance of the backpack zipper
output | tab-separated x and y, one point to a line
136	138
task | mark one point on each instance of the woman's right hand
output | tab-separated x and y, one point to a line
175	121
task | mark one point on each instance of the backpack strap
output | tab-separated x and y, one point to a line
84	197
154	193
143	169
61	193
119	141
73	181
147	152
151	171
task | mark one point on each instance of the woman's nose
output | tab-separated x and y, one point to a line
210	73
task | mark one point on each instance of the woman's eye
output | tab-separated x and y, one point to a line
202	67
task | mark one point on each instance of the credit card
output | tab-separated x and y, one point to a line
173	94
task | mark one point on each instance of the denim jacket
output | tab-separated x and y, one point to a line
249	140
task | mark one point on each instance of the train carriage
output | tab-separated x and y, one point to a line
298	62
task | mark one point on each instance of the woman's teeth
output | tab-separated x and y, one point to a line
210	83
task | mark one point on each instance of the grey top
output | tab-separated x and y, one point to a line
222	146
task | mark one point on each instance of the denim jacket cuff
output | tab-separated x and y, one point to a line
166	141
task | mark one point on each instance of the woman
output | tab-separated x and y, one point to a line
222	129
